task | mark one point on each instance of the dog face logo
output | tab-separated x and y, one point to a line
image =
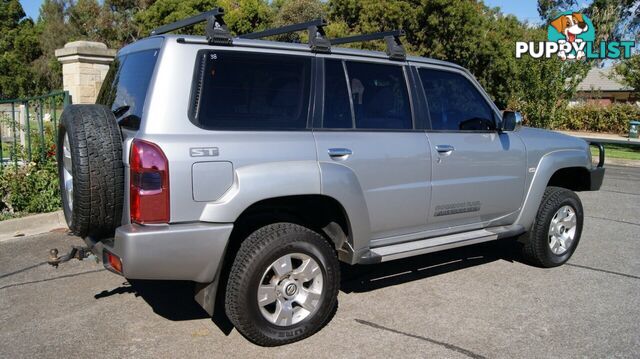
571	27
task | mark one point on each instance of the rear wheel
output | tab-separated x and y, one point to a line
283	284
556	230
90	170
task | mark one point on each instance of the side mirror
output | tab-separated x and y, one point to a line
511	121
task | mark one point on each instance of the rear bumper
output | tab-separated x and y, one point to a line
597	176
191	251
597	173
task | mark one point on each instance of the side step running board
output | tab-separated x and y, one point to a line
423	246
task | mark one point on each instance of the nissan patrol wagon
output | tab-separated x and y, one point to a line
252	167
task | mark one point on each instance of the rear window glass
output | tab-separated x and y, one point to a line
237	90
126	84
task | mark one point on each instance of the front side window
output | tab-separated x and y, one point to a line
455	104
125	86
236	90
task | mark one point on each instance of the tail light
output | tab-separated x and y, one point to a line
149	183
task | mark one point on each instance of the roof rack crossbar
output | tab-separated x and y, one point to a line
216	29
366	37
317	37
394	50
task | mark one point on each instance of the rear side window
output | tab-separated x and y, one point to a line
235	90
379	96
126	84
337	109
455	104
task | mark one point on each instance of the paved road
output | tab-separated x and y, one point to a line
473	302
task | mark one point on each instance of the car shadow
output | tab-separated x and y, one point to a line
174	300
364	278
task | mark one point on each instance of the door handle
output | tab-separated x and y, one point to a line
339	154
445	149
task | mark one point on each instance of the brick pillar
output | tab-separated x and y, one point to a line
84	67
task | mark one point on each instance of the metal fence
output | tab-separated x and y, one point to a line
29	127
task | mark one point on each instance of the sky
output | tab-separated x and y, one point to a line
525	10
31	7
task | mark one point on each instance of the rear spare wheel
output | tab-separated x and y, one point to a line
90	170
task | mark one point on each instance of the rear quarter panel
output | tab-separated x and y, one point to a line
265	164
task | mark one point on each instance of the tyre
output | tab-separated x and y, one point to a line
283	284
90	170
556	231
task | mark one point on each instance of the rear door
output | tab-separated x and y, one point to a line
124	90
478	171
367	126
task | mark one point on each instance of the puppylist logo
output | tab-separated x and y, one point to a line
571	36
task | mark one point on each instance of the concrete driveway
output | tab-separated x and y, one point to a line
474	302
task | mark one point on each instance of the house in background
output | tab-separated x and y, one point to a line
604	87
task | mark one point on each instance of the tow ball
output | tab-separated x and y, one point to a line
76	252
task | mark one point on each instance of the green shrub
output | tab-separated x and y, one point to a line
597	118
32	188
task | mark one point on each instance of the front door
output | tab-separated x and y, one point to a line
478	173
367	126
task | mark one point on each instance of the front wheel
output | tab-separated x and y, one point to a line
283	284
556	231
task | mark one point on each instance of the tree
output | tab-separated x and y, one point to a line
18	48
53	33
118	21
84	20
549	9
163	12
629	69
244	16
614	20
292	12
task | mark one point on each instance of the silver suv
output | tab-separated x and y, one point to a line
253	167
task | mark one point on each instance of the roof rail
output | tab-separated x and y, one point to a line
317	36
395	50
216	29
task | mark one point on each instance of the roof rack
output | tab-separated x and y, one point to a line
395	49
218	34
216	29
317	36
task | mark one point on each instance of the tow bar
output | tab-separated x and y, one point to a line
76	252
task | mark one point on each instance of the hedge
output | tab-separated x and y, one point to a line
597	118
32	188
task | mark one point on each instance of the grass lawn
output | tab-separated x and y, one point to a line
618	151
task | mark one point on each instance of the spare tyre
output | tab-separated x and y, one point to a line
90	170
